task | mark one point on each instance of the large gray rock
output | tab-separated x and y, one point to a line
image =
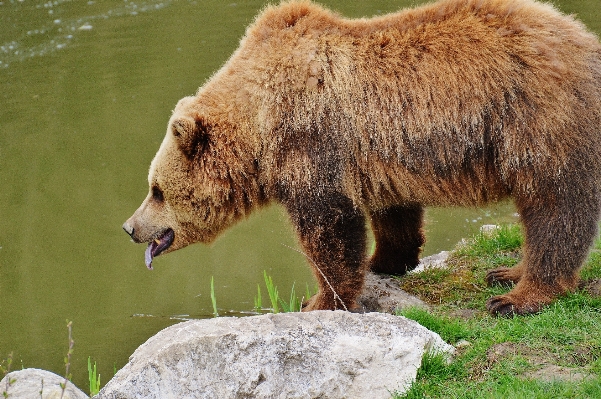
36	383
321	354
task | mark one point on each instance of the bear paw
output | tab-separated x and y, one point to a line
507	306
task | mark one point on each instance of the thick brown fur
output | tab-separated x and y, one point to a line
461	102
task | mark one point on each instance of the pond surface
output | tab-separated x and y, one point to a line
86	89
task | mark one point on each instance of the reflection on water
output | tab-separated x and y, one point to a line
86	89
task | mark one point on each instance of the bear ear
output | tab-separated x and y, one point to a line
191	135
183	127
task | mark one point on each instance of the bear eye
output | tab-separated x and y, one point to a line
157	194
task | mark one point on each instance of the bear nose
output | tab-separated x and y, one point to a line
128	229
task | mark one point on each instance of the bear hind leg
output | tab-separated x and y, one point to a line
399	237
559	231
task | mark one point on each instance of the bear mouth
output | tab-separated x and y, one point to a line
158	245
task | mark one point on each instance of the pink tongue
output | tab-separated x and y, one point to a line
148	255
155	247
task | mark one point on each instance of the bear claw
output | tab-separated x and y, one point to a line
503	305
498	306
502	276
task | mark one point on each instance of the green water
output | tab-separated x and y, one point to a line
86	89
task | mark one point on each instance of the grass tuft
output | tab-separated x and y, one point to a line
278	304
94	378
294	305
435	366
258	300
502	240
272	290
451	330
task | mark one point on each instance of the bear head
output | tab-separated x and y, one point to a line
200	181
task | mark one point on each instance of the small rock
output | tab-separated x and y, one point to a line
28	383
384	294
462	344
438	260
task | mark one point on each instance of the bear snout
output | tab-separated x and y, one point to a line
129	229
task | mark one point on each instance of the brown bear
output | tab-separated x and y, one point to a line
357	122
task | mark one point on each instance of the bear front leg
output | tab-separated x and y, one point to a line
333	237
399	238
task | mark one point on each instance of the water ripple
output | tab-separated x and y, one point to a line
35	29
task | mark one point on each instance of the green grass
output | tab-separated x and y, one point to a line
449	329
258	300
94	378
506	238
563	336
272	290
293	304
278	304
520	357
214	299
